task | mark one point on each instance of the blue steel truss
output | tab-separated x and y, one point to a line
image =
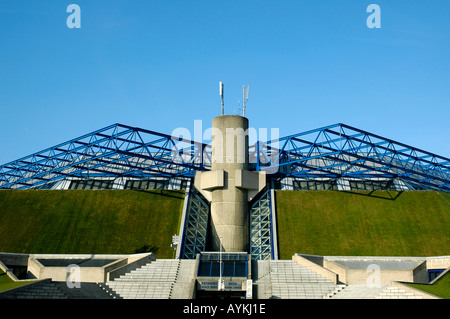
332	152
341	151
261	228
114	151
196	226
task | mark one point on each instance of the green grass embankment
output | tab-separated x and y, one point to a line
89	222
441	288
7	283
381	223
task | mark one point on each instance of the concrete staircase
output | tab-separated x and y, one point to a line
396	293
358	292
286	279
290	280
174	279
87	290
44	290
160	279
383	292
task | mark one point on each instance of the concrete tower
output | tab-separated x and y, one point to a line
229	185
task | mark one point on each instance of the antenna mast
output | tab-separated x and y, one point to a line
244	98
221	94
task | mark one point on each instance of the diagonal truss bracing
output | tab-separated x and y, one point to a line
335	151
196	226
261	228
342	151
114	151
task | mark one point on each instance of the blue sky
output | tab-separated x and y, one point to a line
157	64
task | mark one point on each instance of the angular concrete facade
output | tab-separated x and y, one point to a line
229	207
229	183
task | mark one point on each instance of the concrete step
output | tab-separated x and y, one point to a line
364	292
152	280
46	290
290	280
396	293
358	292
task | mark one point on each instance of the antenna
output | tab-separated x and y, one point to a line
244	98
237	111
221	94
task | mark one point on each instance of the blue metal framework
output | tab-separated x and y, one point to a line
114	151
332	152
196	226
261	228
341	151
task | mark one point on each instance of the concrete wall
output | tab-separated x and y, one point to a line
34	269
374	276
8	272
326	273
12	259
363	277
82	274
420	274
122	264
417	271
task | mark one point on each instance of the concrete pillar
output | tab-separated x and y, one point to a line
229	186
229	206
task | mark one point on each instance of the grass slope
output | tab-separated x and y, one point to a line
363	223
441	288
89	222
7	283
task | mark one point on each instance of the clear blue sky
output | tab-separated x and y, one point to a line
157	64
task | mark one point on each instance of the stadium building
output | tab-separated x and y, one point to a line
227	245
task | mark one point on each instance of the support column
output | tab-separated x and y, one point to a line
229	207
229	184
